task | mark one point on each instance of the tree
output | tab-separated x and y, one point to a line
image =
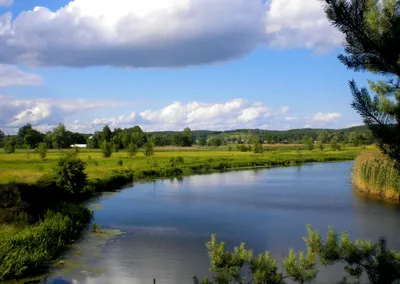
32	138
258	147
59	136
308	142
335	146
69	174
42	150
187	138
106	149
215	141
360	258
372	32
148	149
320	146
132	150
202	141
2	136
9	146
106	134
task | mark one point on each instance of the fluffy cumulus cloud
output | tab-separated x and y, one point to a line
153	33
326	117
40	112
12	76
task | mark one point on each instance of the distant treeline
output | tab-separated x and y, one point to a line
29	138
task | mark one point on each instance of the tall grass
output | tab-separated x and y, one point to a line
375	174
32	249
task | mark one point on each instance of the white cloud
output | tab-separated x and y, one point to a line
153	33
12	76
291	118
300	23
17	112
6	3
326	117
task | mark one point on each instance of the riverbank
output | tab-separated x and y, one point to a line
374	174
26	199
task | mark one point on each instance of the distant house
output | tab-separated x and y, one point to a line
79	145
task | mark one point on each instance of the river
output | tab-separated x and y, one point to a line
165	224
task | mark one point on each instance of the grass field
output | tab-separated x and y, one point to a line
25	166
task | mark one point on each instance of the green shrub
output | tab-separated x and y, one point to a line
9	146
148	149
106	149
69	174
180	160
132	150
258	147
120	163
42	150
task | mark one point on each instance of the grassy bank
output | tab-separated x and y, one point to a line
26	167
31	249
375	174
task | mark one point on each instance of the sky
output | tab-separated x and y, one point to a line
171	64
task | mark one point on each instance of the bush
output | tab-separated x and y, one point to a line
148	149
42	150
335	146
106	149
69	174
258	147
132	150
9	147
120	163
320	146
180	160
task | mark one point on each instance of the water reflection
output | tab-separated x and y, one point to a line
166	223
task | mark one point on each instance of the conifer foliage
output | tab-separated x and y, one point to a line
372	39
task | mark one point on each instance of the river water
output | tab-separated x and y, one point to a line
165	224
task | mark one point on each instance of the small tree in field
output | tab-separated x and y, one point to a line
42	150
148	149
132	150
106	148
308	142
321	146
69	173
9	146
258	147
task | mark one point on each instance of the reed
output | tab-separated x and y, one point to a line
375	174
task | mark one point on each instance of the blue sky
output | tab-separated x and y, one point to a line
206	65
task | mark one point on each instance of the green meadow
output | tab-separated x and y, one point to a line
25	166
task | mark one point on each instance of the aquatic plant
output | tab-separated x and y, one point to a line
376	174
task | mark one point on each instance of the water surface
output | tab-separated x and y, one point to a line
165	224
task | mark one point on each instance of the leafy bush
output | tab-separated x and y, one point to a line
42	150
335	146
180	160
258	147
106	148
9	146
69	174
132	150
148	149
320	146
120	163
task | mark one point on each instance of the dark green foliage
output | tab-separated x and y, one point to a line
258	147
148	149
320	146
335	146
243	148
215	141
106	134
34	248
69	174
372	32
30	136
202	141
42	150
106	149
180	160
120	163
308	142
132	150
9	146
59	137
361	258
